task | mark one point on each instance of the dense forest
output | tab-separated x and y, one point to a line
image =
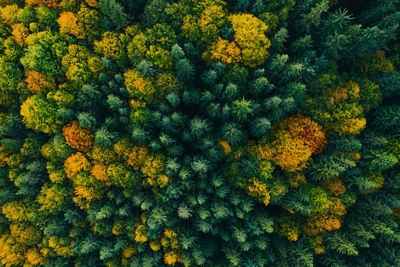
200	133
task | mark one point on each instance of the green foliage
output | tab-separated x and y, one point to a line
199	133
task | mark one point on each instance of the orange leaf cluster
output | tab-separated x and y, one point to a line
75	164
296	139
77	137
328	221
38	82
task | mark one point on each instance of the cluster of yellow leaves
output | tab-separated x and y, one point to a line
137	48
225	146
203	27
53	197
330	219
211	20
102	155
81	65
5	154
111	46
59	245
376	63
9	14
140	230
317	243
160	57
76	163
20	33
40	114
296	178
20	245
49	3
288	228
166	83
100	173
153	167
87	190
38	82
77	137
291	154
170	245
15	253
93	3
259	190
129	251
224	51
68	23
296	139
250	37
139	87
339	110
87	187
20	210
335	186
56	172
137	156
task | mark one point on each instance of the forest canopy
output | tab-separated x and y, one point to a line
199	133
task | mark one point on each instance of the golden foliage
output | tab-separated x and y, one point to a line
60	246
129	251
137	156
100	173
308	131
296	139
49	3
288	228
122	148
20	33
77	137
93	3
250	37
101	155
141	233
224	51
68	23
296	178
317	243
167	82
225	146
138	86
259	190
171	257
111	46
326	221
291	154
10	253
376	63
160	57
76	163
153	165
9	14
40	114
170	246
20	210
335	186
34	257
211	21
155	245
53	197
339	109
39	83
